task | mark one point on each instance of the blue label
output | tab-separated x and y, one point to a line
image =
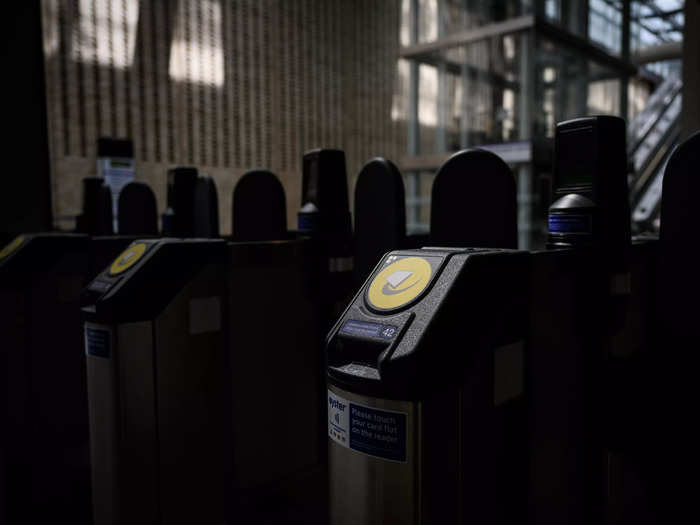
367	329
97	342
307	222
570	224
378	432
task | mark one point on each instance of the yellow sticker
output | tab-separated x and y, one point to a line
128	258
399	283
14	244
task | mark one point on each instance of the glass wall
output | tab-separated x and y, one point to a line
482	73
570	15
468	95
655	22
418	188
605	25
568	85
441	18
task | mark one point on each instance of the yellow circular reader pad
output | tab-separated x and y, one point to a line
399	283
127	258
14	244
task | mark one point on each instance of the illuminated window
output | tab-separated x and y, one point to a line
194	60
399	106
98	18
428	95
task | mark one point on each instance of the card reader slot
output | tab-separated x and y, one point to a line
346	350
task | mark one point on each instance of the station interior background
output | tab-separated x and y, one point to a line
227	86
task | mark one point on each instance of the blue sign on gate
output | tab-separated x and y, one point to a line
378	433
97	342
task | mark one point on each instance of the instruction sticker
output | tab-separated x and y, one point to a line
370	431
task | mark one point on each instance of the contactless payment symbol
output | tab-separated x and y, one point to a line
393	282
128	258
399	283
14	244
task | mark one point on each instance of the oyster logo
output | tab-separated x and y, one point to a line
337	405
394	281
125	258
401	281
128	258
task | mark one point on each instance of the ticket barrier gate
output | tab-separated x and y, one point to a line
156	365
580	299
380	215
584	386
96	216
461	213
157	430
649	443
567	471
579	295
566	377
267	317
44	400
136	211
469	208
426	420
277	468
404	398
325	218
650	436
271	307
633	347
259	208
674	432
585	389
44	427
206	208
42	276
178	220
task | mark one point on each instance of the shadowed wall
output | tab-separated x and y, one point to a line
222	85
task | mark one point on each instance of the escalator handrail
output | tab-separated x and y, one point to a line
659	101
657	136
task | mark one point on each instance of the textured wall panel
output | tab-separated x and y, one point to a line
222	85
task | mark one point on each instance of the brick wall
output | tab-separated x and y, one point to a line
223	85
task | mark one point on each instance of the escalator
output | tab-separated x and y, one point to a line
647	207
640	126
652	135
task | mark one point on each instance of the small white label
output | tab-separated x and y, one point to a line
205	315
508	370
340	264
117	173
